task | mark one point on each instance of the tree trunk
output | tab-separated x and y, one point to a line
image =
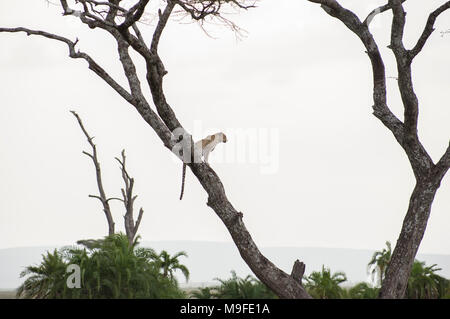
283	285
414	225
165	123
428	175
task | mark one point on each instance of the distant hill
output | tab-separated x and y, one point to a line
7	294
209	260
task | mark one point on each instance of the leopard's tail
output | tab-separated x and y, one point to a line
182	181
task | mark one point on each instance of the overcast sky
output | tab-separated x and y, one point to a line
323	172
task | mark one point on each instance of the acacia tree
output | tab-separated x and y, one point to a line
119	21
325	285
428	174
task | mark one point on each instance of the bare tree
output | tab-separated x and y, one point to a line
121	23
131	227
428	175
98	174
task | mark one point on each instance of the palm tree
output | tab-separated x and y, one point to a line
169	264
261	291
242	288
379	262
46	280
424	283
203	293
122	270
363	291
110	268
229	288
116	270
324	285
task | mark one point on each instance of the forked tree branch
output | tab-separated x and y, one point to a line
443	165
377	11
131	227
73	53
283	284
409	98
98	173
113	10
381	110
398	28
163	18
199	10
143	108
406	135
428	30
428	176
134	14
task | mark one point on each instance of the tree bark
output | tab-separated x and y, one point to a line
131	227
284	285
98	174
414	225
164	122
428	175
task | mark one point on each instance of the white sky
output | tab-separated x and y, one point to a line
342	180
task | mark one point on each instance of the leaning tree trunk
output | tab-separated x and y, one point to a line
414	225
283	284
121	24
